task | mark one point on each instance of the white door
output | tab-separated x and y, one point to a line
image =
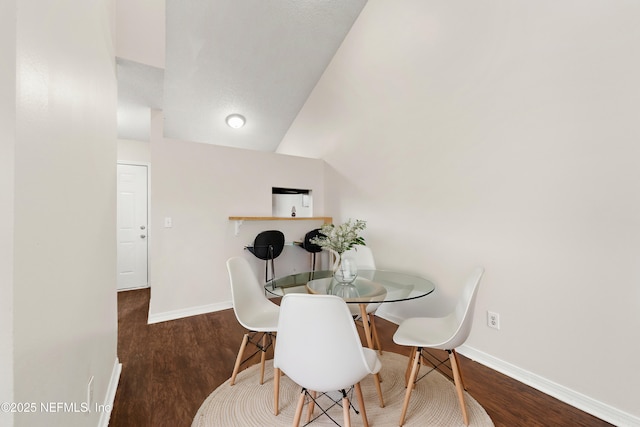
132	226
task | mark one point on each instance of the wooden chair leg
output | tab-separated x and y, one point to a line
298	415
239	359
407	372
459	369
410	386
379	389
276	391
263	357
363	411
458	381
345	410
365	325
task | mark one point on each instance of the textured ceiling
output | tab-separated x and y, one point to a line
258	58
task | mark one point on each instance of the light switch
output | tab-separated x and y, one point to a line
167	222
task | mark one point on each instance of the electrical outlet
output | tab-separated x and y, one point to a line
493	320
90	392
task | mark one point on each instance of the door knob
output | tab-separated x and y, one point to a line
142	236
142	227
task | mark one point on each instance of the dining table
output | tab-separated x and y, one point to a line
367	287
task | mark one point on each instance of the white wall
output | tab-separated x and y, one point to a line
140	26
7	155
503	134
64	300
199	186
134	151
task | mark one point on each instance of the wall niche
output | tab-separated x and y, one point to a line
291	202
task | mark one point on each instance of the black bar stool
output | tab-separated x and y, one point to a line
312	247
268	245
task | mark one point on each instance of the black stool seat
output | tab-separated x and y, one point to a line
268	245
312	247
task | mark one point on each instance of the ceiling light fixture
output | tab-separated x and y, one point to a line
235	121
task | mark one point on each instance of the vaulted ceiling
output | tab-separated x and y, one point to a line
257	58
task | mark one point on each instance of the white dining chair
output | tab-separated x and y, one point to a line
320	350
363	256
253	310
444	333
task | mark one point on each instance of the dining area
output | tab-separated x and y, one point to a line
190	371
466	135
177	374
320	328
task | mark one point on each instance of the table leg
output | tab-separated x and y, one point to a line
365	324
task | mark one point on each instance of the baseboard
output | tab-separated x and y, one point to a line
388	316
562	393
134	288
110	398
191	311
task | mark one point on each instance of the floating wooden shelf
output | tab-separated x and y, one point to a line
326	219
240	219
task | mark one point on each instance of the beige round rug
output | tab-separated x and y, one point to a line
434	401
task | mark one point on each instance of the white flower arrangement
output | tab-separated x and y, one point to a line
341	238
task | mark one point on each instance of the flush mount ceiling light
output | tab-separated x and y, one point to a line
235	120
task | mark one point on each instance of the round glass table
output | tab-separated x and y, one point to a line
370	286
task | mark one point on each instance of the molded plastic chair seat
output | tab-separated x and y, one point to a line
444	333
432	332
372	360
320	350
253	310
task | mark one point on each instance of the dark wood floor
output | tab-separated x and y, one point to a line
169	368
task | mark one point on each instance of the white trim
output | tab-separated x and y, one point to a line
192	311
390	317
134	288
560	392
110	398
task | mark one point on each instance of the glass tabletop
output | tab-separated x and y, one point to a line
369	286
